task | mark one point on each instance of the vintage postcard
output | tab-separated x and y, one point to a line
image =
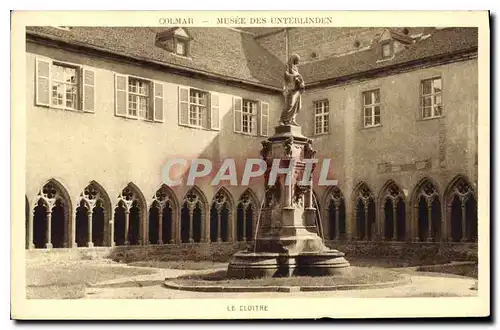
238	165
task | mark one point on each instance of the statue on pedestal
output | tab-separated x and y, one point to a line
293	87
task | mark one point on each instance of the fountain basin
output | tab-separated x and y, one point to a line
247	264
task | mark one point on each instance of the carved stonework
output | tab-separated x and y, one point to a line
336	197
309	151
266	149
463	190
429	192
192	199
365	195
394	192
220	199
288	147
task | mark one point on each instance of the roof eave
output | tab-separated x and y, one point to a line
398	67
177	69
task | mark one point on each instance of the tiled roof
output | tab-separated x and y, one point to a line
439	42
220	51
235	55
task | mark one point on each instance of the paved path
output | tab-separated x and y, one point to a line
151	287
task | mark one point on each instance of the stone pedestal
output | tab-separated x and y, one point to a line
288	241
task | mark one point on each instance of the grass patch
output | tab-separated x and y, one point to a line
68	281
468	270
352	275
183	264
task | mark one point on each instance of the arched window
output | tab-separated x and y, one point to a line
93	217
461	208
161	217
428	211
365	213
394	213
246	213
129	217
51	218
336	214
192	215
220	214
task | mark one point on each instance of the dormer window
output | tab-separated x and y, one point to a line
387	49
181	47
175	40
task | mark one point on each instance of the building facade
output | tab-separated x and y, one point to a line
107	107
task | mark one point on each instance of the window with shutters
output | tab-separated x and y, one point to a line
198	108
371	108
138	98
64	86
249	117
321	117
430	98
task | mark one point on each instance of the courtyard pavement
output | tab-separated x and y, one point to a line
151	287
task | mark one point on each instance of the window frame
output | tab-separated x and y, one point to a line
150	98
372	107
185	41
207	94
431	95
78	84
254	116
322	114
389	43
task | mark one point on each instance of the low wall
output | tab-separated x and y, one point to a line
222	252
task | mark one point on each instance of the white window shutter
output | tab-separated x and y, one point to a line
183	105
264	118
121	95
214	111
158	101
237	113
42	69
88	88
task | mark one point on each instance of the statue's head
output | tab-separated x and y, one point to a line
294	59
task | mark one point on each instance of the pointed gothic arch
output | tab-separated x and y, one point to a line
130	217
392	202
460	211
163	219
335	214
247	210
364	212
221	215
426	211
193	214
50	224
93	217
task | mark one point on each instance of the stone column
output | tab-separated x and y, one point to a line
112	230
127	214
218	225
191	211
463	223
160	225
90	243
337	220
394	221
429	222
244	225
31	245
49	228
367	235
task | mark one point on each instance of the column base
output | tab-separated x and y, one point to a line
160	242
90	244
49	246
